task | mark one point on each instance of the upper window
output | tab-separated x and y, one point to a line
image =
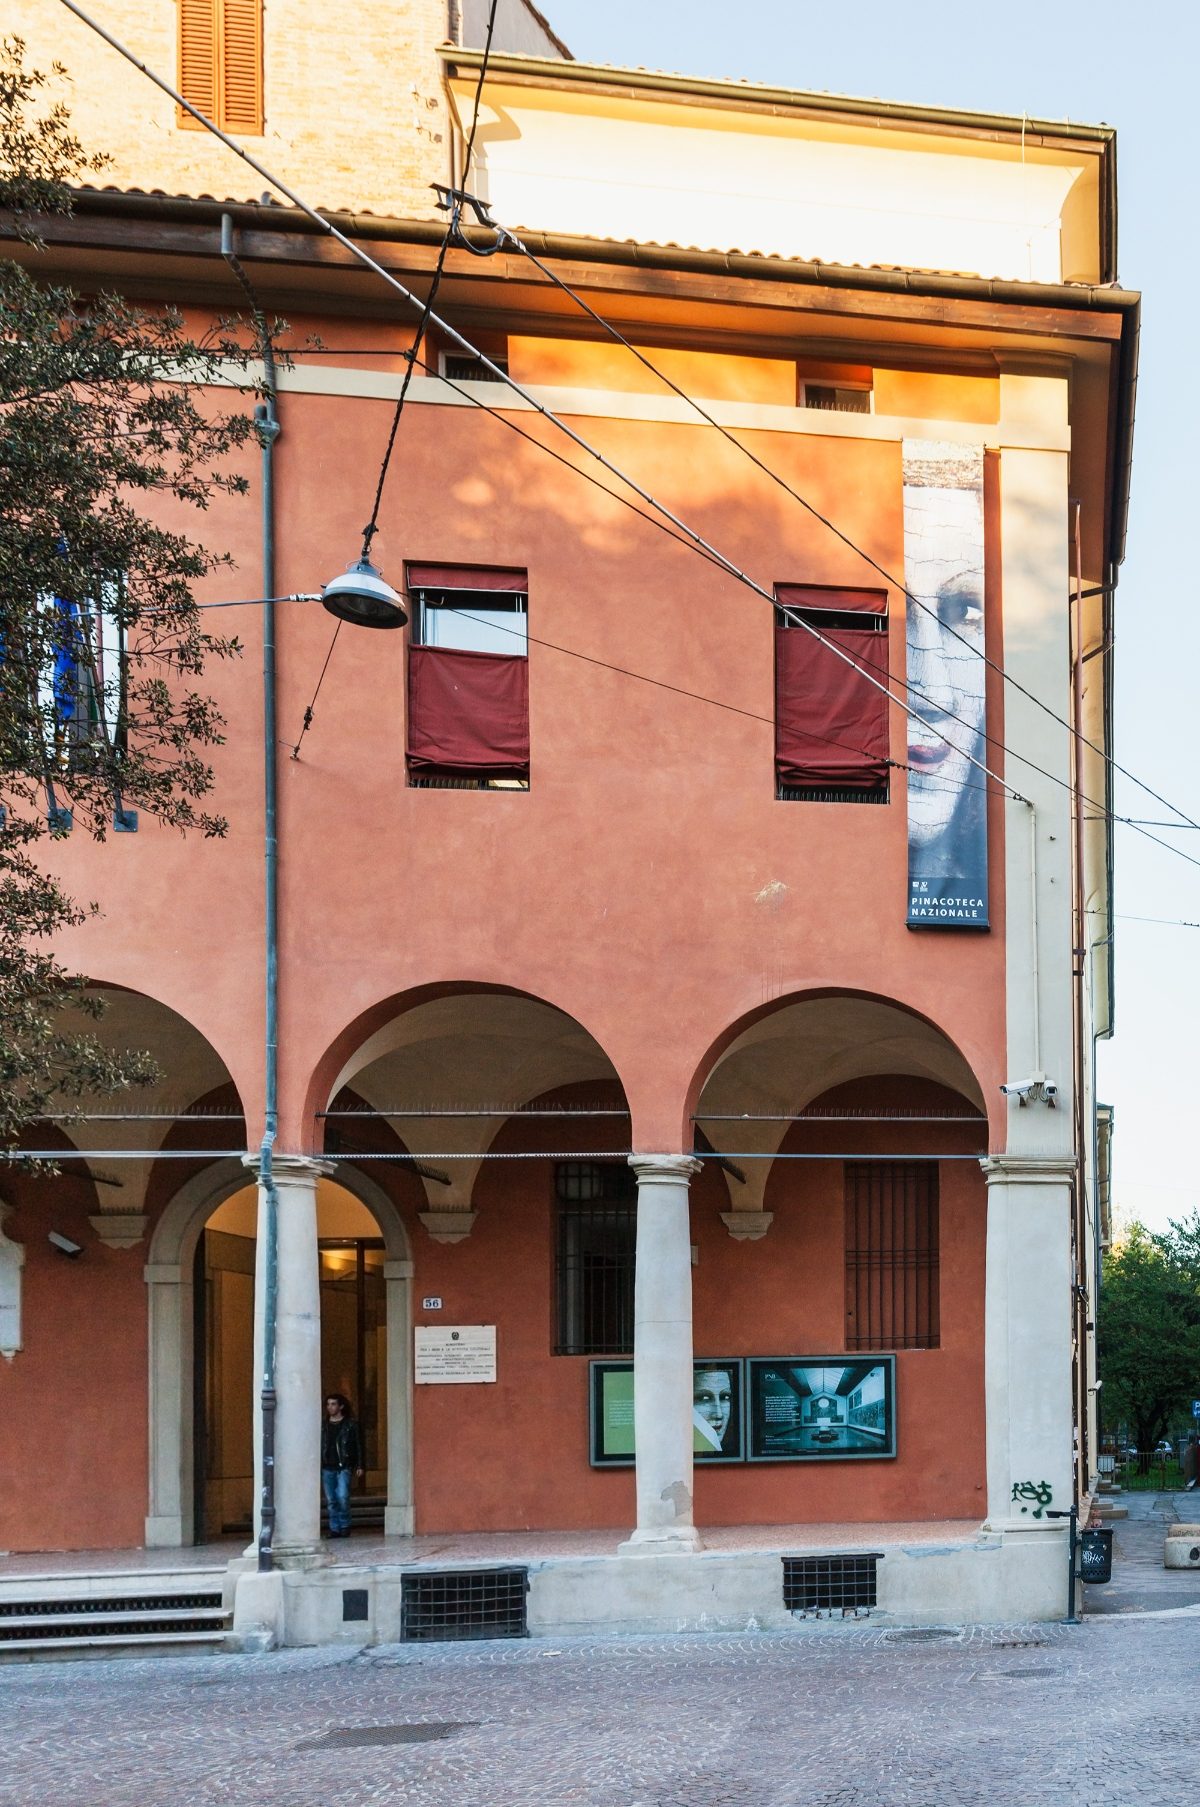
892	1257
831	716
468	678
221	63
67	688
464	609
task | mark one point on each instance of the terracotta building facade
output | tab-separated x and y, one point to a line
653	945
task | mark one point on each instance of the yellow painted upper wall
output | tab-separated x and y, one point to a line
604	165
711	376
355	102
718	376
928	395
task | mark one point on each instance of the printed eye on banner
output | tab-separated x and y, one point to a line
944	644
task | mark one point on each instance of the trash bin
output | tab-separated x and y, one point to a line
1095	1555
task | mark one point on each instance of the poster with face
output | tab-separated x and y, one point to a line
943	572
717	1412
806	1408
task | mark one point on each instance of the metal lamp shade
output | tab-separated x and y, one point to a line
362	597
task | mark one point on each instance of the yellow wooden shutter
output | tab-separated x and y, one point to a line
241	66
198	57
221	62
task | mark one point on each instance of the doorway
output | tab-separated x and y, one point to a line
351	1253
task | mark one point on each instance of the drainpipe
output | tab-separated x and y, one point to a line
266	422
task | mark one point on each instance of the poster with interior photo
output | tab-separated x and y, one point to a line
806	1408
718	1412
946	672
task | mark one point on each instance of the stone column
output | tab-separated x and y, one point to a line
169	1522
1027	1340
297	1539
1028	1329
662	1358
398	1513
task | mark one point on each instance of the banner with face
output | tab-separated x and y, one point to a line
943	572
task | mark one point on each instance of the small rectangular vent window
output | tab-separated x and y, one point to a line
835	399
456	1604
816	1585
472	370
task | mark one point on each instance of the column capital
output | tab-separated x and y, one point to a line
664	1169
294	1167
1028	1169
119	1229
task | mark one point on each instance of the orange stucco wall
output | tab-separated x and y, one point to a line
626	887
73	1400
514	1455
385	888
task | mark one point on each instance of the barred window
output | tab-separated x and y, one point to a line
892	1255
596	1230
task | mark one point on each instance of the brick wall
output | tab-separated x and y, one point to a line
356	111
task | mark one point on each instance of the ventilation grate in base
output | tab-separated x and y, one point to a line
830	1584
436	1607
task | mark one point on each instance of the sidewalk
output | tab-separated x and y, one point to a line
1140	1583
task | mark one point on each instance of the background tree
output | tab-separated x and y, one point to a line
1149	1336
106	432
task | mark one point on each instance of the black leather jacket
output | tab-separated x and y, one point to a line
341	1445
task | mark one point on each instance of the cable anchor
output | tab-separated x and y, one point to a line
453	201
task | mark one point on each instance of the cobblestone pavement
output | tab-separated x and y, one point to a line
1140	1582
833	1716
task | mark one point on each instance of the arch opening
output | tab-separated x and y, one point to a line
204	1390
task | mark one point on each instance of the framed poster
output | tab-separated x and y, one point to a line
813	1408
718	1411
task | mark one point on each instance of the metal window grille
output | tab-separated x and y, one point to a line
793	793
597	1240
892	1271
830	1584
836	399
419	783
455	1604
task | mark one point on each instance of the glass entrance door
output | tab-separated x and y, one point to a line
354	1353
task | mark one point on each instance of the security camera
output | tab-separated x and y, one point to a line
65	1246
1035	1090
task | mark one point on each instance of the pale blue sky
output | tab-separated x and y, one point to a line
1135	68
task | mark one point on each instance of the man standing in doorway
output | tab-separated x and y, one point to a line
341	1456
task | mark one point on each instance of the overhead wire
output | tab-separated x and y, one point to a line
507	235
858	664
694	537
411	356
642	677
465	344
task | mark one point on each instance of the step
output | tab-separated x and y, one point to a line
127	1641
121	1616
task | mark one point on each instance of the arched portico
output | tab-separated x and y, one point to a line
171	1306
763	1071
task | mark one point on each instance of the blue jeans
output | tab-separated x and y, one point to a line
336	1482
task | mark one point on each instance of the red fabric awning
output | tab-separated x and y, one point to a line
468	713
808	596
831	726
465	577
